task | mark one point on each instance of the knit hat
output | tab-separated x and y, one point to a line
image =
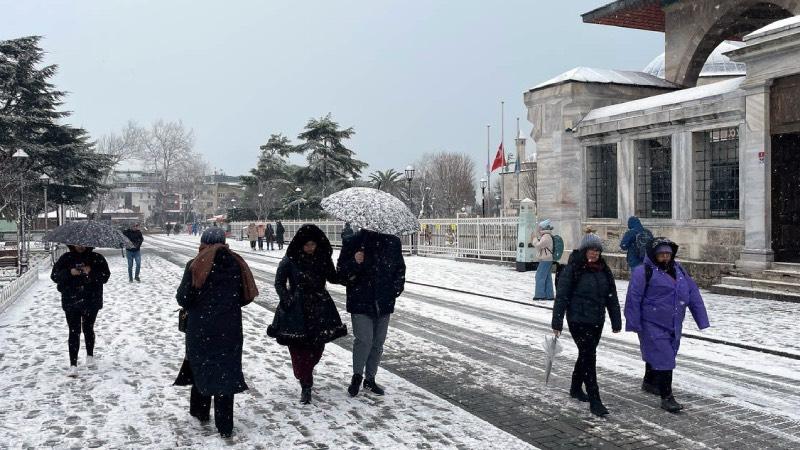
664	248
213	235
546	225
591	241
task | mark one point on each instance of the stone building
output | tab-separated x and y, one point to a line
703	145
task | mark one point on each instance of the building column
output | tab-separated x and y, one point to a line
757	253
682	175
626	179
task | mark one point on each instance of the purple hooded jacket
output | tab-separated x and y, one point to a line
657	315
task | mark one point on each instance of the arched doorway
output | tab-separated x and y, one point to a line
785	131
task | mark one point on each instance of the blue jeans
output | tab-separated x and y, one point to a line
134	256
544	282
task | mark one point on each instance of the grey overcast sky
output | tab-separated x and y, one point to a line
411	76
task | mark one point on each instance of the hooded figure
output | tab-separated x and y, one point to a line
215	286
659	293
279	232
629	242
270	235
586	290
306	318
80	275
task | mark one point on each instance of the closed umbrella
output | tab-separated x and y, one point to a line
88	234
551	348
371	209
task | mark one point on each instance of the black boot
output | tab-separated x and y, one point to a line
650	388
597	408
305	395
576	389
670	405
372	386
355	385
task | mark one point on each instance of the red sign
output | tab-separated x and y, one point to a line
761	156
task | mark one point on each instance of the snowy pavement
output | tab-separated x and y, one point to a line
128	401
484	355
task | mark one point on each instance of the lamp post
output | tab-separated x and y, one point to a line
428	193
298	190
260	205
409	179
46	180
497	203
483	196
22	261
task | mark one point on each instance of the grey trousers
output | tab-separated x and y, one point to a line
370	334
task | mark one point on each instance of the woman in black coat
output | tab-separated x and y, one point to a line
215	286
80	275
279	232
586	289
306	318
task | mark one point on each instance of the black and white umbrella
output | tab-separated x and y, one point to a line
88	234
371	209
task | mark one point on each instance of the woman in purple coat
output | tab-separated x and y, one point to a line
658	295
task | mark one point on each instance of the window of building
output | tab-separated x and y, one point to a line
601	189
716	162
654	177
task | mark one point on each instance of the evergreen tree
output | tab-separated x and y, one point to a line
31	120
329	160
390	181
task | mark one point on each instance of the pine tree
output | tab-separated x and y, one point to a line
329	160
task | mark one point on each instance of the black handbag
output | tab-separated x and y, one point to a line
288	324
183	318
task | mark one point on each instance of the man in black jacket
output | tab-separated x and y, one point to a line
371	265
134	253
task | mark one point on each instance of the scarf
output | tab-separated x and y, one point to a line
201	267
596	266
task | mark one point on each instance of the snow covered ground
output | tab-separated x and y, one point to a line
128	400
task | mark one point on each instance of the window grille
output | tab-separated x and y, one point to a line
654	177
601	189
717	174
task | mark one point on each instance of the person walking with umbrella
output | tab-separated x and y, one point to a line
216	284
80	275
134	254
279	233
659	293
307	318
586	290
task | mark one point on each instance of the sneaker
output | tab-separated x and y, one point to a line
137	279
372	386
72	372
355	385
90	360
130	280
226	435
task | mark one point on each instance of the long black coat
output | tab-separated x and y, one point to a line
306	313
279	232
214	336
585	295
81	292
374	285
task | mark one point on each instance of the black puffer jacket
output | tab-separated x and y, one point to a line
214	337
135	237
372	287
585	295
306	313
81	292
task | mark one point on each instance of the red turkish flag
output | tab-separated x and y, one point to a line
499	159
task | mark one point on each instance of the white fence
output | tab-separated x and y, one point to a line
468	238
9	293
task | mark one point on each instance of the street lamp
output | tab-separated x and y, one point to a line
483	195
46	180
497	203
21	157
409	179
260	204
298	190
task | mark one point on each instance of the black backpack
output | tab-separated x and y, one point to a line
643	239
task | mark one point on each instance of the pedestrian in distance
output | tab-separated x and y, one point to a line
659	293
543	242
80	275
347	232
635	242
371	265
307	317
279	233
216	284
168	227
261	235
252	235
586	290
134	254
270	234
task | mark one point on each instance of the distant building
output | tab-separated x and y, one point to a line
134	188
218	194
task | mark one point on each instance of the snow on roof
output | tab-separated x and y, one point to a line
607	76
774	27
671	98
69	213
717	64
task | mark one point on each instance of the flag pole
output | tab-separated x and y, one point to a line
503	146
488	161
517	162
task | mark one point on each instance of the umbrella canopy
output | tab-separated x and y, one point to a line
371	209
88	234
551	349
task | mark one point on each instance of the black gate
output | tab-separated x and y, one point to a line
786	197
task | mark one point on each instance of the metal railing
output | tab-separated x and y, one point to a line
10	292
469	238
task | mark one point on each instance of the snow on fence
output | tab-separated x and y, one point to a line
467	238
10	292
